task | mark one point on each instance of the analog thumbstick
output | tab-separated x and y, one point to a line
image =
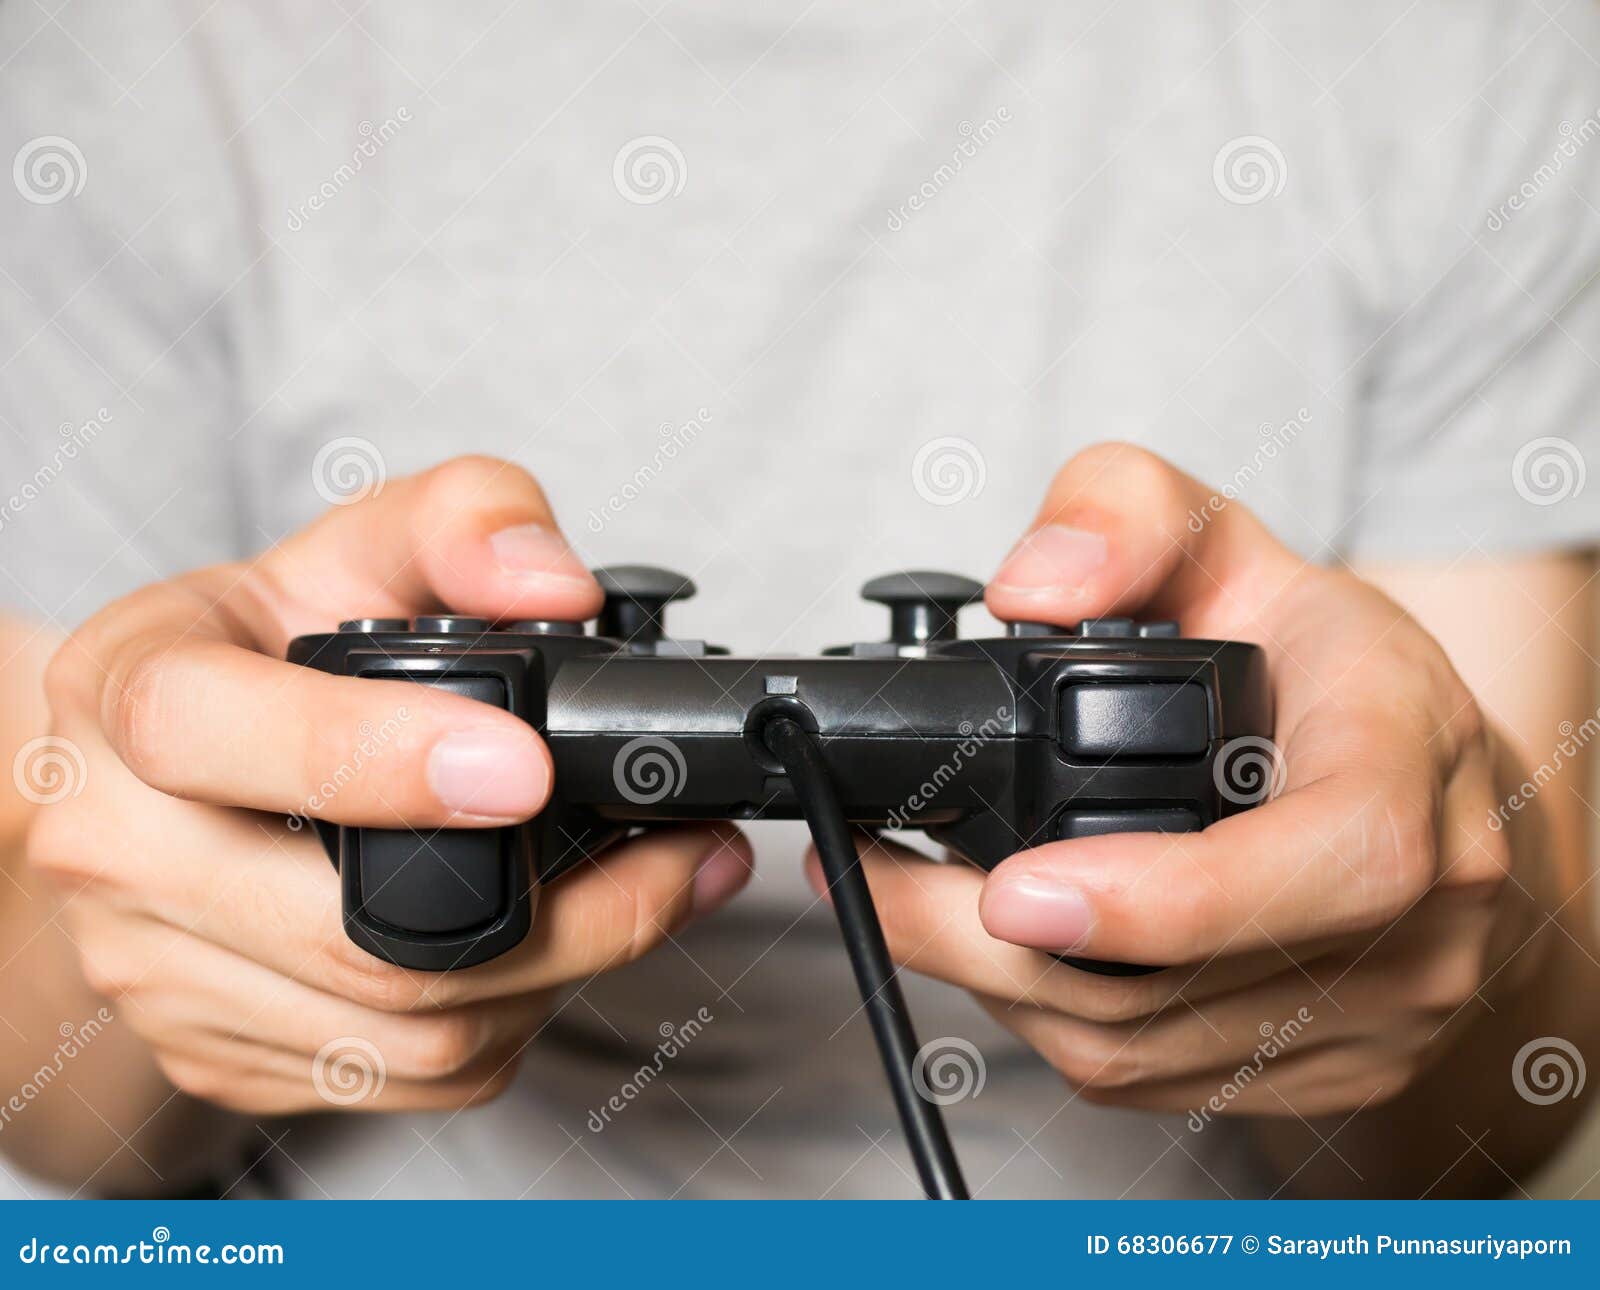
922	605
636	598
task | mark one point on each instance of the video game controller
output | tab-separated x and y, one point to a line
988	745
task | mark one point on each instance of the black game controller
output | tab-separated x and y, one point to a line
990	745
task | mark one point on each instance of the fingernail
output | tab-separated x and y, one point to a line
1032	911
1051	558
495	773
533	551
720	875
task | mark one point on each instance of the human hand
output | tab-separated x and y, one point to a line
213	925
1333	939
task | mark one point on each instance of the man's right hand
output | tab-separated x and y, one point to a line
214	926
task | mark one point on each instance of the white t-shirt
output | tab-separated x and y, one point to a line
894	263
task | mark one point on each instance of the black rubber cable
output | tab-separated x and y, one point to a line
885	1006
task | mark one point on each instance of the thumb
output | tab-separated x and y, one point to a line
475	535
1121	530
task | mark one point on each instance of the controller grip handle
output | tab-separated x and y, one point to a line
437	899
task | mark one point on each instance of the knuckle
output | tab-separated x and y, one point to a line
475	473
61	845
1109	999
1482	860
1449	980
1406	863
440	1046
198	1078
1091	1057
371	982
65	674
107	975
653	915
131	715
1127	468
496	1083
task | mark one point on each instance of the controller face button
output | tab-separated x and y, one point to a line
1162	630
1153	819
1034	629
448	623
374	625
1138	719
545	627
